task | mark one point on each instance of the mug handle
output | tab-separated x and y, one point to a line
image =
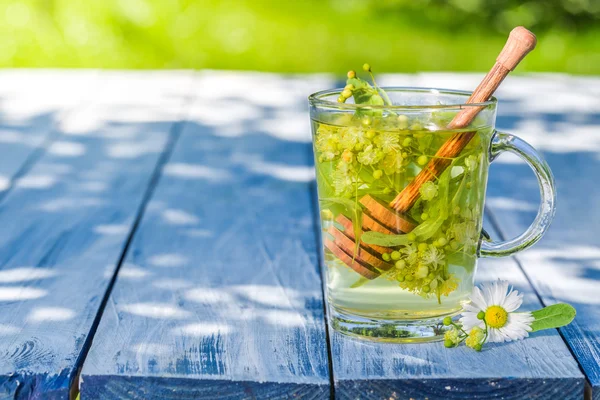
506	142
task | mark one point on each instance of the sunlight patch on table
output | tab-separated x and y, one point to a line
202	329
62	204
14	293
151	349
67	149
6	330
24	274
285	318
194	171
156	310
36	181
4	183
271	295
50	314
179	217
168	260
132	271
114	229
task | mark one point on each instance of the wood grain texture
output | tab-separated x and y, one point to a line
390	219
362	254
366	270
565	265
539	368
226	301
368	224
65	223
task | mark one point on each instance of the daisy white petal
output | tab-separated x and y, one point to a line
489	294
507	334
499	289
477	299
470	320
471	308
512	301
494	336
522	319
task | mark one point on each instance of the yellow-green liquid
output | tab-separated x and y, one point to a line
432	273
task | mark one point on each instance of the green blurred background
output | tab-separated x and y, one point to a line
296	36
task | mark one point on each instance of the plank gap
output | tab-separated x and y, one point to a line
174	135
321	260
498	229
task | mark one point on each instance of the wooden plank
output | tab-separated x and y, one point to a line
540	367
32	106
65	224
565	265
220	294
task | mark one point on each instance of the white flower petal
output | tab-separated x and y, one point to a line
504	332
477	299
522	320
494	336
488	294
469	321
512	301
471	308
500	289
514	333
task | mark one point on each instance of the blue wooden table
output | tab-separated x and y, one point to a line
160	241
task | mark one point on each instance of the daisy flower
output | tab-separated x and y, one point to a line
496	305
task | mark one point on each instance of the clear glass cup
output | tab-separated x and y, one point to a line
408	270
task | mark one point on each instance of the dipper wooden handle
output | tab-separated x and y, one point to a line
520	42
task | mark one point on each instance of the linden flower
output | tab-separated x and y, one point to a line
342	179
369	156
411	253
498	304
352	136
388	141
432	256
326	140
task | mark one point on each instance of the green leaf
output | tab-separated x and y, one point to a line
553	316
382	239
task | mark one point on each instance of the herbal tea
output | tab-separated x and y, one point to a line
401	176
427	272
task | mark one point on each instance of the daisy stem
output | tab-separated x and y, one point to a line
460	328
486	332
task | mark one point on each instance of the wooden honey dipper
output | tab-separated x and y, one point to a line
390	220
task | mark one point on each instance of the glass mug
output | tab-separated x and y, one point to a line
406	272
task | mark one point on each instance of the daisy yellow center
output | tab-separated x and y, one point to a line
496	316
